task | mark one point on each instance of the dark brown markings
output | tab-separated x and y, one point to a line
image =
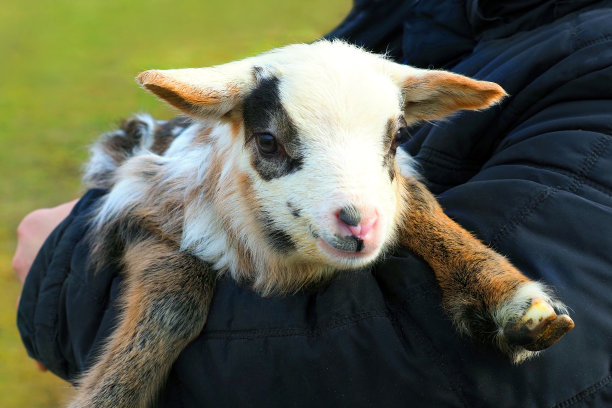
167	132
264	113
278	239
134	133
296	212
313	232
120	144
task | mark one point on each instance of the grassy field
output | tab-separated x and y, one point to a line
66	74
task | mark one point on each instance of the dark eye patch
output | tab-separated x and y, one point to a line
264	114
396	134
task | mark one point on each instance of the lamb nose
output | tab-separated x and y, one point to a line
351	222
350	216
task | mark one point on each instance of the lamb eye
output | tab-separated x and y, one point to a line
266	143
401	135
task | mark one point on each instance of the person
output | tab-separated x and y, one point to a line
530	177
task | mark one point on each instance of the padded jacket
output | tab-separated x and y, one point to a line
531	177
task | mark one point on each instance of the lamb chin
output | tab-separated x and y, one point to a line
348	259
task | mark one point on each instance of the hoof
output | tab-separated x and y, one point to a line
538	328
530	321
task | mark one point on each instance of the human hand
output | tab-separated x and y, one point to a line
31	234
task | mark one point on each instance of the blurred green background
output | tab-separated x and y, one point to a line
67	73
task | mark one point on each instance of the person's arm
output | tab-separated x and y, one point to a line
32	232
64	306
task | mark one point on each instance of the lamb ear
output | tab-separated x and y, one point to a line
207	93
430	94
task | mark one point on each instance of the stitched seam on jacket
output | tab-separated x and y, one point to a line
431	154
533	203
47	332
511	111
589	182
293	331
447	157
101	300
446	369
598	386
589	43
441	165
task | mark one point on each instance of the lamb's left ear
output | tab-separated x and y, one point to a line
207	93
432	94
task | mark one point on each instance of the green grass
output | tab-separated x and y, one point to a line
67	73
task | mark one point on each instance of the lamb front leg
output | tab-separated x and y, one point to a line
166	303
487	298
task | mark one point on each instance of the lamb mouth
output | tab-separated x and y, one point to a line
344	247
347	244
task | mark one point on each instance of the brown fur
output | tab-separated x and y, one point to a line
184	97
164	134
234	118
203	137
474	279
166	300
436	95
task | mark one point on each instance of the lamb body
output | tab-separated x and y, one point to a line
288	171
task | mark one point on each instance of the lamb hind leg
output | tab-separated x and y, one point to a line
487	298
166	303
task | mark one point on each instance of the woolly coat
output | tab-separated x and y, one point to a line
531	177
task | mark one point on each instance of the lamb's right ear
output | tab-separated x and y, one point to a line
207	93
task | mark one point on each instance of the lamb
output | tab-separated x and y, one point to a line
286	169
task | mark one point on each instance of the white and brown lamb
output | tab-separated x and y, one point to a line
287	170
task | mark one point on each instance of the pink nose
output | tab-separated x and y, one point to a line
351	222
362	230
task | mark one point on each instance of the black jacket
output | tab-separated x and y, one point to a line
532	178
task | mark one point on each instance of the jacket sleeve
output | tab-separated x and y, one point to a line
65	307
543	197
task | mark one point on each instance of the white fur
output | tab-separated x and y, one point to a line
182	141
99	163
127	193
406	163
204	236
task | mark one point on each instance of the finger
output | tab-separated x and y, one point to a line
40	367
